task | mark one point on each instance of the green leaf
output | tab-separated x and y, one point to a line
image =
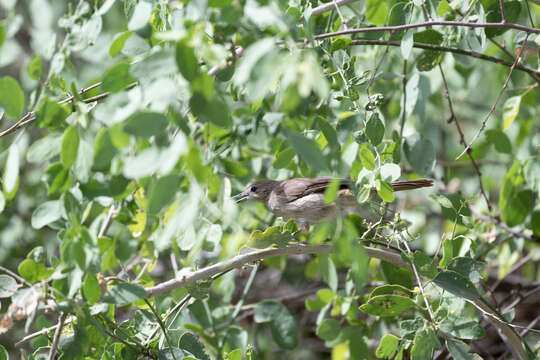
500	140
385	190
515	202
146	124
519	206
51	115
399	14
91	288
328	329
10	180
396	275
428	36
459	350
493	15
510	111
33	271
4	355
104	150
389	289
420	153
162	192
376	12
214	110
118	43
2	202
271	236
463	328
456	284
307	149
329	133
467	267
339	43
191	343
44	149
2	34
186	61
46	213
331	192
124	294
57	178
117	78
424	264
70	146
35	67
282	323
388	346
283	158
11	97
140	16
390	172
424	345
535	222
235	354
428	59
366	157
328	271
443	8
387	305
375	129
8	286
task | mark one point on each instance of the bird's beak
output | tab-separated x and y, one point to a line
240	197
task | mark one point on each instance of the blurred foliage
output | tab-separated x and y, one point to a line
129	125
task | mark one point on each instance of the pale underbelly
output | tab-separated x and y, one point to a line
311	208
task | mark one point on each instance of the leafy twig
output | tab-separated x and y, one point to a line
453	118
484	122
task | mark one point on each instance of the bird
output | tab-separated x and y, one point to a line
303	199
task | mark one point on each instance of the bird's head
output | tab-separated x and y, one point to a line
259	191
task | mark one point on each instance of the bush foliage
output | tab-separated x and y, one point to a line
129	124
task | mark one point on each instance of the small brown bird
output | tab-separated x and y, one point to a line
302	199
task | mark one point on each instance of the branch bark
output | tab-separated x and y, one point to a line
260	254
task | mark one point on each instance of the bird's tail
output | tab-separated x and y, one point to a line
411	184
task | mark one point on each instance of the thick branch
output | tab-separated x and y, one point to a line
256	255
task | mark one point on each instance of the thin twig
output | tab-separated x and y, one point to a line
484	122
418	280
330	6
56	338
162	326
19	278
453	118
379	64
503	12
474	54
17	125
427	24
498	222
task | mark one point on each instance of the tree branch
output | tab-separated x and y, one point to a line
259	254
474	54
428	24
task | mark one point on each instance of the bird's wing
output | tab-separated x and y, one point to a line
296	188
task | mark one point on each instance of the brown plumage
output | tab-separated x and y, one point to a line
302	199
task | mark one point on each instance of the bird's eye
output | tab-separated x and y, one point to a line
253	189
